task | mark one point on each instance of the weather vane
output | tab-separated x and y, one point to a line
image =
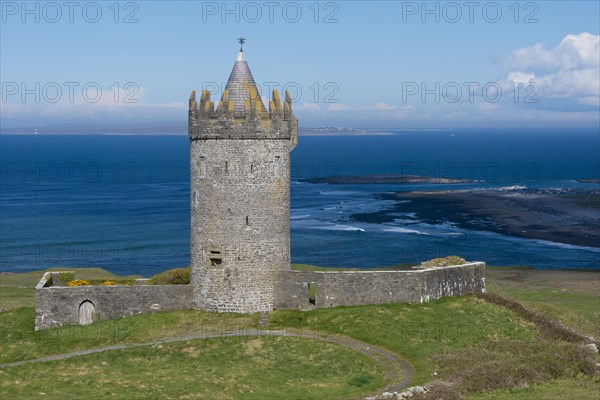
241	41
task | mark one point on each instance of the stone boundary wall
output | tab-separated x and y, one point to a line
59	305
351	288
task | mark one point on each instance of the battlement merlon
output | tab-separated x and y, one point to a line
279	122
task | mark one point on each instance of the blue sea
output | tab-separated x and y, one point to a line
122	202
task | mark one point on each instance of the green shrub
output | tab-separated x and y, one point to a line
65	277
443	262
48	281
361	380
176	276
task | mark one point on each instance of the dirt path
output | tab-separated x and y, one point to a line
396	370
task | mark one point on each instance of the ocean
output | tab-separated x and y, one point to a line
122	202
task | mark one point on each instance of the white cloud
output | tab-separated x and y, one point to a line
569	71
380	106
488	107
589	101
308	107
338	107
384	106
520	77
111	102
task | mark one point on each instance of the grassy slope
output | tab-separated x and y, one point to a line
583	388
13	297
572	297
417	332
224	368
18	340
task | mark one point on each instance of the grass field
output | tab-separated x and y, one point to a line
20	342
258	368
417	332
458	339
572	297
582	388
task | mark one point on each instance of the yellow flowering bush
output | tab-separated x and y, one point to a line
108	283
78	282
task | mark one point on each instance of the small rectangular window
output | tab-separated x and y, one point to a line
215	258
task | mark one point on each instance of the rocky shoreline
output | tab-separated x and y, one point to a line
565	216
588	180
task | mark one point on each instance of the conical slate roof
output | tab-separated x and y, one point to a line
240	84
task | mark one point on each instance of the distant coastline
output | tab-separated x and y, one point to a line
341	131
177	129
385	179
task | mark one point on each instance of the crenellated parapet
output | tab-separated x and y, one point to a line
206	122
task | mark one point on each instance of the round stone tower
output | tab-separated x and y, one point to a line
240	195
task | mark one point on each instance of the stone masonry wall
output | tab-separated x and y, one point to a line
349	288
59	305
240	239
240	200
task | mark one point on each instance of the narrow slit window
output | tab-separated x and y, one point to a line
312	293
226	167
202	168
277	167
247	220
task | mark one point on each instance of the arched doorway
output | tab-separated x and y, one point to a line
86	312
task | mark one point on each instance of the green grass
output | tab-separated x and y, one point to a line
175	276
417	332
578	310
14	297
581	388
569	296
467	332
258	368
504	364
19	341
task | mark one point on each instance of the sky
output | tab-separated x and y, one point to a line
358	64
